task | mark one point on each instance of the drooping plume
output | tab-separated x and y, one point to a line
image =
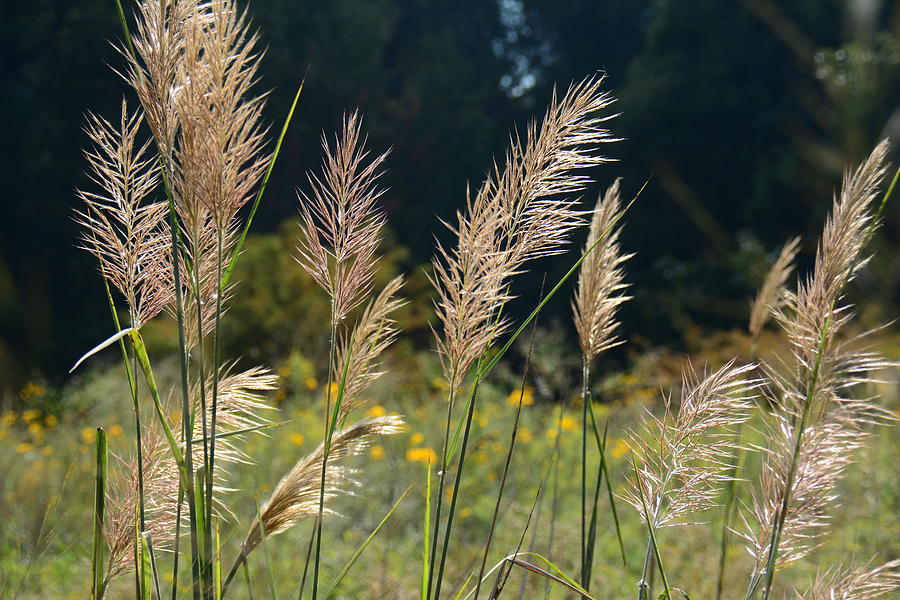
297	494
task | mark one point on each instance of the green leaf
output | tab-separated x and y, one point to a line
145	567
107	342
217	570
201	514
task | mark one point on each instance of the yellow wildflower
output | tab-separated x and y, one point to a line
376	411
482	421
464	512
115	430
311	383
568	423
47	450
421	455
23	447
620	449
33	390
30	415
376	452
416	438
88	435
552	433
9	417
481	457
297	439
439	383
36	429
527	396
525	436
50	420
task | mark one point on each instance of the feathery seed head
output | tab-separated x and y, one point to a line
120	228
600	280
522	212
340	222
297	494
684	457
860	583
771	293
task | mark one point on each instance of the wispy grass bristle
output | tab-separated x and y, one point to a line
340	221
684	455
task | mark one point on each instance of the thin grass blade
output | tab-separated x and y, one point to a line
331	590
423	591
226	277
104	344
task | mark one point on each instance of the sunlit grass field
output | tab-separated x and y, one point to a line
48	468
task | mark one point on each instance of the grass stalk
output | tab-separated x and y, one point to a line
811	386
729	511
215	394
653	544
175	549
442	475
455	495
98	583
604	468
423	592
309	550
585	384
330	424
508	461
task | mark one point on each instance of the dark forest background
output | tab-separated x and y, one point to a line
741	113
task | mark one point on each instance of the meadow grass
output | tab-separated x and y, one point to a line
61	459
527	496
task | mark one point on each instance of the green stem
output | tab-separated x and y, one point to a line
455	496
215	394
506	465
651	530
327	446
97	585
442	474
811	387
585	378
